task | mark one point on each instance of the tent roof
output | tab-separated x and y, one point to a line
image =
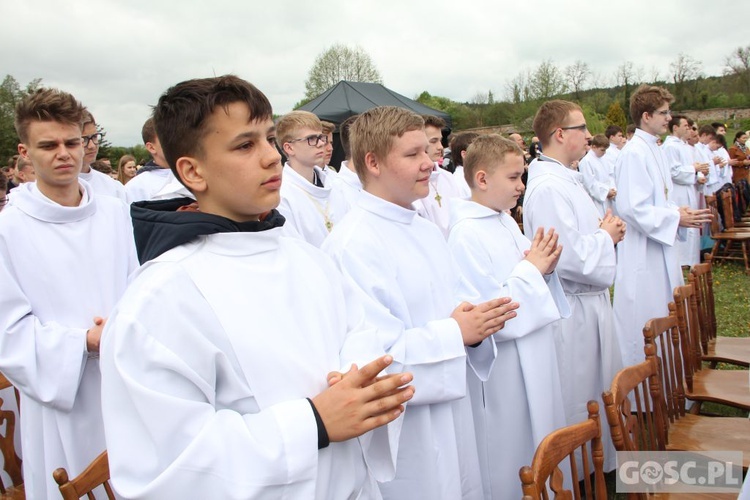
346	99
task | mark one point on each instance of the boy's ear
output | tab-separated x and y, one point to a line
287	148
191	174
480	179
23	150
372	165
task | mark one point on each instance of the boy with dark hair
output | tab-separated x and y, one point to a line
100	183
402	270
328	129
556	198
459	143
645	200
65	257
522	401
211	387
616	142
598	175
706	148
347	183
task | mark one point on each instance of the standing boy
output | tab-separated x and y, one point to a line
402	269
521	402
65	256
217	356
598	175
99	182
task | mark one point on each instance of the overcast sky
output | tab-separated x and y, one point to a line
117	57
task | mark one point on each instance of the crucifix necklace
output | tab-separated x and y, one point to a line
438	198
323	211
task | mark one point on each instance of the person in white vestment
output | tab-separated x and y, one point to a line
347	182
598	175
155	175
616	143
458	145
99	182
65	257
325	166
216	361
706	147
686	180
587	350
522	400
400	267
309	204
648	268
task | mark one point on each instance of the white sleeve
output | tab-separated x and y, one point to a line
681	174
597	190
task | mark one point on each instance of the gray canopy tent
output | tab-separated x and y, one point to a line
347	99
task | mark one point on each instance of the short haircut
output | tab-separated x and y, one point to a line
599	141
690	121
675	122
47	105
646	99
344	132
707	130
612	131
717	125
101	166
487	152
148	131
630	129
182	113
327	127
290	123
374	132
550	116
22	163
433	121
87	118
459	143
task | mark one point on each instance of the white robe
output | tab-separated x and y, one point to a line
587	351
680	157
308	208
206	364
59	268
463	185
598	179
725	172
402	270
103	184
347	184
713	179
146	185
435	206
611	155
522	400
647	265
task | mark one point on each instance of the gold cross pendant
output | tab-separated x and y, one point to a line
437	199
666	192
329	225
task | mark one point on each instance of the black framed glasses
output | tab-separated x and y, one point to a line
97	138
582	128
313	140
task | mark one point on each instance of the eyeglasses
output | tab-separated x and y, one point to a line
665	112
582	128
313	140
97	138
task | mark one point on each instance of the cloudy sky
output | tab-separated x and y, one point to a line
119	56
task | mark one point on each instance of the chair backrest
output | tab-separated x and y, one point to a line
686	310
666	348
555	448
636	409
711	204
11	461
701	277
727	206
96	474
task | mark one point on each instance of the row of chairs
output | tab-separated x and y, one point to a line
734	231
646	406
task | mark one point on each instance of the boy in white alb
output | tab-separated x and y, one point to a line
99	182
459	143
598	175
215	362
401	269
522	401
346	182
65	256
308	203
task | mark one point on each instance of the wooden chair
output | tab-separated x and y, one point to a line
96	474
728	237
728	387
715	348
727	206
11	461
558	446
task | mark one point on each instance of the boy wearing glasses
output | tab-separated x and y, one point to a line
100	183
587	351
648	268
65	257
308	202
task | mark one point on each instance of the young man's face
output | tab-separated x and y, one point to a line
599	150
9	172
56	152
435	146
618	140
721	130
575	140
328	148
656	123
91	149
713	144
240	165
301	152
682	130
503	184
404	174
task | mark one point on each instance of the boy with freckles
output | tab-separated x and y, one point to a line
401	269
522	401
216	360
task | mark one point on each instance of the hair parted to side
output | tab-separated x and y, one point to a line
647	99
599	141
487	152
612	130
707	130
459	143
550	116
674	121
327	127
182	113
288	125
433	121
344	135
47	105
88	118
374	132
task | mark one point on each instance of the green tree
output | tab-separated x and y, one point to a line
10	93
616	116
337	63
